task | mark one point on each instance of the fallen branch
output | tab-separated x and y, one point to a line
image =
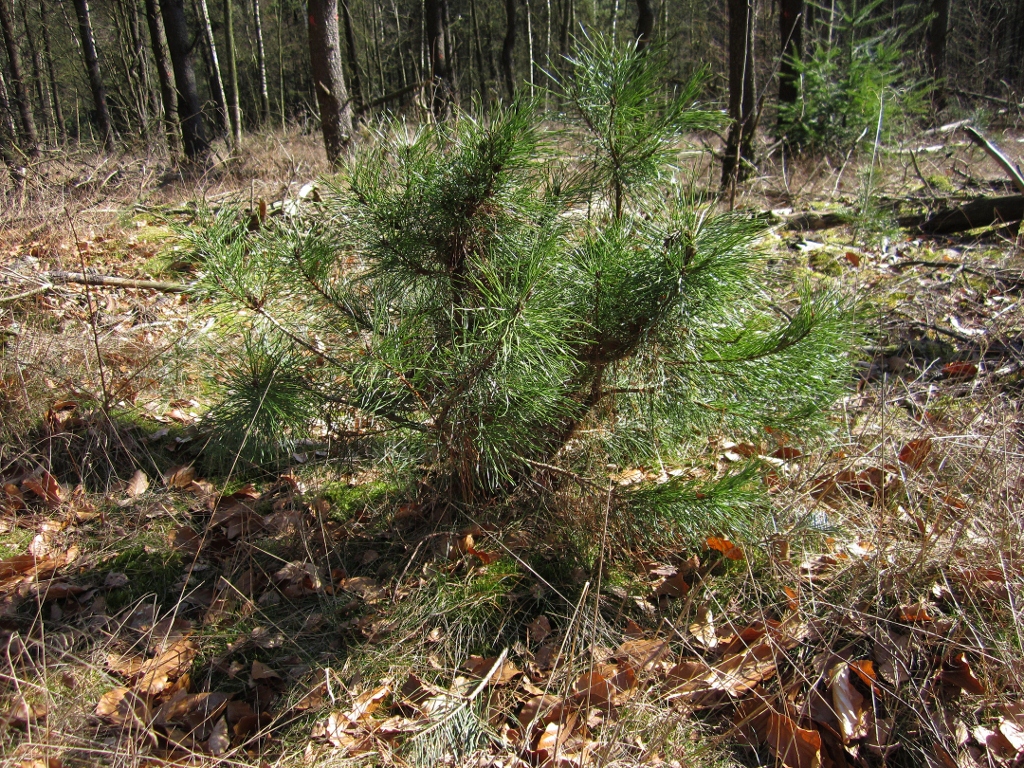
997	154
80	278
810	221
54	279
26	294
979	213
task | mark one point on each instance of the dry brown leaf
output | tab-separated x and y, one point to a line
848	704
957	671
180	477
46	488
865	670
792	598
1000	747
11	499
479	666
632	630
726	547
186	539
23	714
553	737
703	630
261	671
915	452
959	371
138	485
643	653
365	587
543	709
793	746
917	612
367	703
539	629
594	689
219	741
892	654
121	706
160	671
335	730
190	709
673	586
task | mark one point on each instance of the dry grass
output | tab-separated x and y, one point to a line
897	542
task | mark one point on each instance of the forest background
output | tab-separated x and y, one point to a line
174	591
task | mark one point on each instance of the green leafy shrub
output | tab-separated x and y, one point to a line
483	300
845	83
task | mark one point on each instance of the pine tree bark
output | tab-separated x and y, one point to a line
233	105
51	71
37	71
936	50
9	140
28	124
168	98
440	75
261	63
190	115
329	78
92	65
216	81
508	47
791	23
740	142
644	24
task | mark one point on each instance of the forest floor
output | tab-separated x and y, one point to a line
154	611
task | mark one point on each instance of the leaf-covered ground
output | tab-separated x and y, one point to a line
161	609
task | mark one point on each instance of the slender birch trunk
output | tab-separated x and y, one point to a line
233	105
261	63
216	81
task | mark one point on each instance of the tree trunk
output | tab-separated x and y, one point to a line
377	26
9	140
6	114
168	98
216	81
37	71
261	63
21	97
190	114
132	71
936	51
791	25
92	64
280	63
329	78
436	43
740	143
529	42
644	24
233	106
479	53
51	71
508	48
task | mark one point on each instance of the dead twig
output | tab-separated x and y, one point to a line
997	154
82	278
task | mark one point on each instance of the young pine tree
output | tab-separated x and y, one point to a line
488	299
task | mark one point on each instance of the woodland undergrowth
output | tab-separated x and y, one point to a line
170	602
